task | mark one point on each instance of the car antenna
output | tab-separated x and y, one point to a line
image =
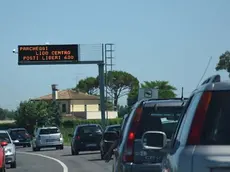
209	61
182	93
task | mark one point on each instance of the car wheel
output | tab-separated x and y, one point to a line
74	152
36	149
102	155
13	164
24	146
61	147
3	169
29	145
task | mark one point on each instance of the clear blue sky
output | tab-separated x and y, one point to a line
155	40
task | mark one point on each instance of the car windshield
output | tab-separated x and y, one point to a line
5	137
49	131
114	128
89	129
16	134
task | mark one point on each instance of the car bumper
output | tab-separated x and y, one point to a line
130	167
49	144
21	143
9	159
87	146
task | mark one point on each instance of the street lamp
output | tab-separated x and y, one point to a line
14	51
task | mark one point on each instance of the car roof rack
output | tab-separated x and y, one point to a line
212	79
177	98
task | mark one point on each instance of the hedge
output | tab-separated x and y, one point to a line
73	123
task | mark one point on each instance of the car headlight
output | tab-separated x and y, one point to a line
8	151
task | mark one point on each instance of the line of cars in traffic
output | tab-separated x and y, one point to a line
159	135
43	137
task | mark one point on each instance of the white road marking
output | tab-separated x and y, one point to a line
65	168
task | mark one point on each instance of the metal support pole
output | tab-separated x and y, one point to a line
102	92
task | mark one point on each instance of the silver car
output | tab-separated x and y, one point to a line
47	137
10	152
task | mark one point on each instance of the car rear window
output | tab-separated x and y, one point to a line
20	132
49	131
115	128
89	129
163	118
216	128
4	137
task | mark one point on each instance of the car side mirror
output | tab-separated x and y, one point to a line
70	135
4	144
110	136
154	140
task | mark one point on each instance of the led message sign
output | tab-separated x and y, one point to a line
48	54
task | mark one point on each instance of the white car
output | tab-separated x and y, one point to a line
10	152
47	137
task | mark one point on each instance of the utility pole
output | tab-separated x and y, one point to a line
109	56
54	103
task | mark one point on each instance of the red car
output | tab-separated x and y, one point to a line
2	157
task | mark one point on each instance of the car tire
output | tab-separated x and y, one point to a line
36	149
3	169
74	152
24	146
60	147
29	145
13	164
102	155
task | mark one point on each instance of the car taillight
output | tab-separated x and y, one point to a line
78	137
128	153
198	119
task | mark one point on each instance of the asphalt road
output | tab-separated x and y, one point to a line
59	161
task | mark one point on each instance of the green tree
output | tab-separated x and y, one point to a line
88	85
122	110
108	105
224	62
2	114
119	84
33	113
165	90
6	114
132	97
55	116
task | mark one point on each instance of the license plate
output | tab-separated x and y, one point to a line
91	145
50	140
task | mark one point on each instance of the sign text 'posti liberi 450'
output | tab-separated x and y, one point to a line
48	54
